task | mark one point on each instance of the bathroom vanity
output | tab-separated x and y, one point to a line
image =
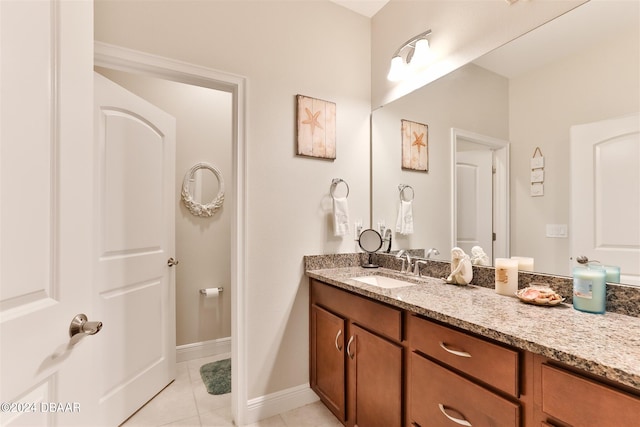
432	354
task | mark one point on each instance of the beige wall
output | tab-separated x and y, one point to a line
598	83
319	49
203	247
471	99
462	31
314	48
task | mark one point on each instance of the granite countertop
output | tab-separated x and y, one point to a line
607	345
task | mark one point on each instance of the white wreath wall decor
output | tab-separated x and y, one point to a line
196	208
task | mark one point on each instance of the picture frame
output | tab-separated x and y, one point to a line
415	146
315	128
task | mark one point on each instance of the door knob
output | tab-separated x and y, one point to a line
81	325
171	262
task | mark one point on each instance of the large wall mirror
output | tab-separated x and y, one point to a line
582	67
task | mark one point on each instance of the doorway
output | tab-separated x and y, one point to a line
473	155
141	64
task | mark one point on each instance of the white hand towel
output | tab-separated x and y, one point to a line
340	216
404	224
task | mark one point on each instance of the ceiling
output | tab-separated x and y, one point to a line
363	7
586	25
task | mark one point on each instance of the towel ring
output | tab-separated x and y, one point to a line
200	209
402	188
334	184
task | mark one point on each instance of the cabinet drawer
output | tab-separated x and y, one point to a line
440	397
591	403
373	315
488	362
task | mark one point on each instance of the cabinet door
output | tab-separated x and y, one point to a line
327	359
375	377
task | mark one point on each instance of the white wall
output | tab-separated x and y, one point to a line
471	98
462	31
203	127
284	48
598	83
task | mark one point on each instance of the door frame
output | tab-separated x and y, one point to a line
124	59
501	189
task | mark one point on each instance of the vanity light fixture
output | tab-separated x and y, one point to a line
414	53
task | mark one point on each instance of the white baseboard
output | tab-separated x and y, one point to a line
203	349
281	401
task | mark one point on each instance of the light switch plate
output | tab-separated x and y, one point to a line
557	230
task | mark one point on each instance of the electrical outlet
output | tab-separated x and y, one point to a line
357	229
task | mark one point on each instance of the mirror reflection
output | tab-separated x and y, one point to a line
582	67
204	186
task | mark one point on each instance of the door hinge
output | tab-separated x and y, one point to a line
493	236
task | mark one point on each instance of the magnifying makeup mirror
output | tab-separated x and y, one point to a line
370	241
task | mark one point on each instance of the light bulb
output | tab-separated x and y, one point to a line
421	53
397	70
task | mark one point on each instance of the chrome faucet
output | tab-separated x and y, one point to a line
404	255
432	251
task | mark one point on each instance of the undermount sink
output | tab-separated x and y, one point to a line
383	281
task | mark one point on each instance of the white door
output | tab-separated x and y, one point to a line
474	182
134	214
605	193
45	214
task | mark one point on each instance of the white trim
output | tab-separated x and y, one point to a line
120	58
501	196
276	403
198	350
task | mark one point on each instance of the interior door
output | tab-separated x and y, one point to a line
134	213
605	193
45	214
474	204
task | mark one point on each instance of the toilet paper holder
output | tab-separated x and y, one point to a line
204	291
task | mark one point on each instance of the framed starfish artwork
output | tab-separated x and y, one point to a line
316	127
415	146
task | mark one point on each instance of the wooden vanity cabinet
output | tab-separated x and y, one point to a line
567	398
441	398
358	373
327	369
375	365
457	378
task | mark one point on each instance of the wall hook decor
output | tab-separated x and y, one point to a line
537	173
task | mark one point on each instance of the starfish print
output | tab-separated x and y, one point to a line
418	141
312	119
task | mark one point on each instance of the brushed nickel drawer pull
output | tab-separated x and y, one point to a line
349	346
462	422
338	336
457	353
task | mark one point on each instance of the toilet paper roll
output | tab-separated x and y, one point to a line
210	292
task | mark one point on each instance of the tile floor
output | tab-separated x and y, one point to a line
186	403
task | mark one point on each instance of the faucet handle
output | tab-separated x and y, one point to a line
416	267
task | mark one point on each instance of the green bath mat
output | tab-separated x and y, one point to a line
217	376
